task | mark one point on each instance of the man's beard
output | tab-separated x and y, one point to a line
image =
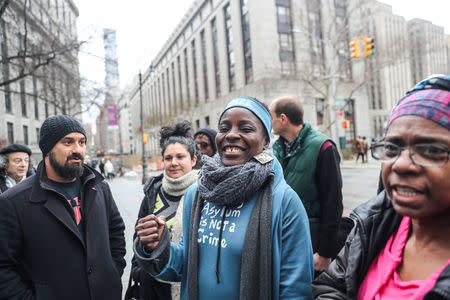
67	171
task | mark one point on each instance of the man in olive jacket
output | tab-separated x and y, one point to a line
310	164
61	234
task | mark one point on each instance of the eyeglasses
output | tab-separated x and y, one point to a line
202	145
427	155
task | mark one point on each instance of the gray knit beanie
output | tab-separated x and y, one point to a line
55	128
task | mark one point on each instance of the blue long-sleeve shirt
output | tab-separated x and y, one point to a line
292	256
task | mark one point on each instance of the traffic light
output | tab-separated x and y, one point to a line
345	124
355	50
144	138
368	47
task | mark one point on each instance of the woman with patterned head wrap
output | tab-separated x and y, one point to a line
400	248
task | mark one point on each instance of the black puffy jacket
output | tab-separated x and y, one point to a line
376	221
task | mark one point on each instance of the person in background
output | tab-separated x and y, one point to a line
366	148
359	145
400	248
61	234
164	198
205	140
245	231
14	165
310	162
101	166
109	169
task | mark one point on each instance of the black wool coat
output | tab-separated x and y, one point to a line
42	253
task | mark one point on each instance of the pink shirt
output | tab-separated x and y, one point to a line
382	280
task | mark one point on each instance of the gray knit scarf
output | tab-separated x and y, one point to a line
229	187
178	186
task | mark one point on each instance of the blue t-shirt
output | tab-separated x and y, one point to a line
233	236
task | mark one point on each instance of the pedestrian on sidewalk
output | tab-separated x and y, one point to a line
245	231
400	248
109	170
102	167
360	148
164	197
366	148
61	234
310	162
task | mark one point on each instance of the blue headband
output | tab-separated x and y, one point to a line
255	107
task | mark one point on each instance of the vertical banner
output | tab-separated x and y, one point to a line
112	114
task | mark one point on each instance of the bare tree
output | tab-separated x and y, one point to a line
49	62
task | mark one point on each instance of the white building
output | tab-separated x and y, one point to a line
223	49
42	46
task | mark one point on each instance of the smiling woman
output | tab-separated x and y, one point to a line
243	226
401	249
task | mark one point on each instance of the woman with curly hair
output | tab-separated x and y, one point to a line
164	198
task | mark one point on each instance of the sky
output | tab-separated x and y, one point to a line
143	26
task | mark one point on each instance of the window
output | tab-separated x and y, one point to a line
230	51
285	42
180	93
23	100
284	26
315	31
160	109
163	86
194	63
170	107
25	134
197	124
216	56
46	109
186	73
35	99
10	129
207	121
174	95
8	107
5	67
248	65
204	65
38	134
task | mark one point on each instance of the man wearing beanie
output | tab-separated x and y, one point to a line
205	139
61	234
14	163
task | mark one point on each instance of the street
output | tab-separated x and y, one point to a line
360	182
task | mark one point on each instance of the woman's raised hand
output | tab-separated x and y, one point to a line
149	230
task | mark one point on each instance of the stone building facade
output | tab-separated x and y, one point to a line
39	67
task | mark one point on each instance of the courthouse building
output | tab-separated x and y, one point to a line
223	49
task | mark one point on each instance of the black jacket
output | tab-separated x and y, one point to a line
42	253
3	186
376	222
150	288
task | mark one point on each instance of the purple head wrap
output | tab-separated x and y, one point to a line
431	104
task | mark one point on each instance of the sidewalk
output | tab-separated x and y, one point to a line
351	164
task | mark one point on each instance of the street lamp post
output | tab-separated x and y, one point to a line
144	165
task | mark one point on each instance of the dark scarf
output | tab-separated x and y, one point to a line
229	187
